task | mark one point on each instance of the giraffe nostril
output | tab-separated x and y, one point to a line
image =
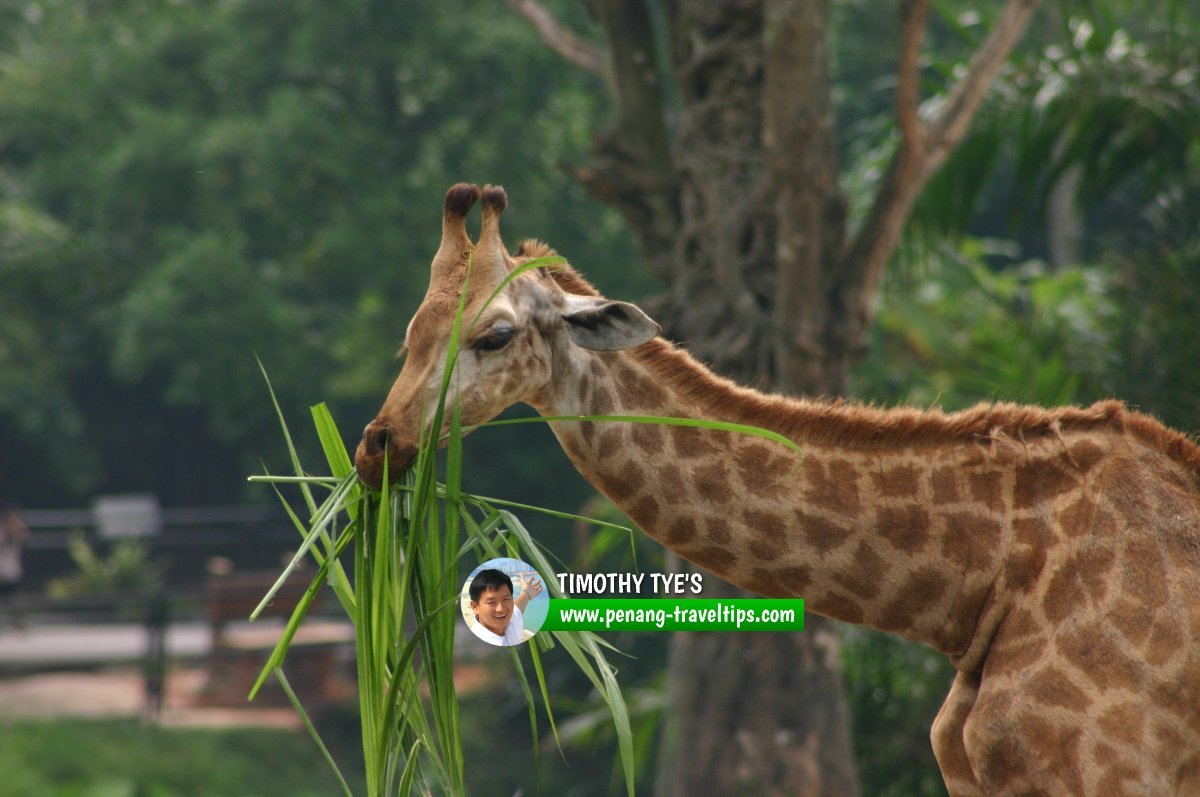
376	438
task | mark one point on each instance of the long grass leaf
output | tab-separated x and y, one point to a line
325	516
484	500
545	692
331	441
287	436
293	624
697	423
312	729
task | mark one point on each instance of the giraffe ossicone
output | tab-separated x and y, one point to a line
1052	554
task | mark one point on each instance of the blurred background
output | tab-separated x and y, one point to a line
189	185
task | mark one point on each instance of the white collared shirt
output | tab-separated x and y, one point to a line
514	632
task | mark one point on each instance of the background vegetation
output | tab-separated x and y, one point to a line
126	759
184	184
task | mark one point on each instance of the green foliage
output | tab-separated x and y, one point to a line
1155	337
1108	94
128	759
895	689
184	186
127	568
955	331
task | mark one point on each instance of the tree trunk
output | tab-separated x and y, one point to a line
765	713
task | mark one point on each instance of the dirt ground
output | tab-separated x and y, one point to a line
119	692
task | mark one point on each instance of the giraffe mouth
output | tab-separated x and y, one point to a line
370	464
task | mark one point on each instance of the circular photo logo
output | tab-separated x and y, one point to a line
504	602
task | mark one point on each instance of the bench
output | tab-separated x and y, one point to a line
240	649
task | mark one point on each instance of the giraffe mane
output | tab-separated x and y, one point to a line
842	423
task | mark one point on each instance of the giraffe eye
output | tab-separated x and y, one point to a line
496	338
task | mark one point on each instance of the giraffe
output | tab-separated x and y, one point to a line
1051	554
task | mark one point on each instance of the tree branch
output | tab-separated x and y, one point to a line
916	159
908	89
631	165
559	38
954	117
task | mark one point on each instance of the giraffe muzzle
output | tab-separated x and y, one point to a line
380	443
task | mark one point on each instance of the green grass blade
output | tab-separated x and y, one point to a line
545	692
483	500
312	729
408	778
320	481
287	436
531	706
697	423
601	676
298	614
328	510
331	441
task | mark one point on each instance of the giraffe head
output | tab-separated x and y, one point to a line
511	351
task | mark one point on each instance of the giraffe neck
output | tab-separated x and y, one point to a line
905	538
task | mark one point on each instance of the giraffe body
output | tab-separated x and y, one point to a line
1053	555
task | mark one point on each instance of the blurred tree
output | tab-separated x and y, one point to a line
184	185
723	157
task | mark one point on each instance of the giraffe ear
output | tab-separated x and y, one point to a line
601	325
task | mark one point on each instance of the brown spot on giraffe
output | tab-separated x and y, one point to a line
945	486
635	389
648	437
1063	593
781	581
1053	687
713	557
905	527
987	488
1125	722
1091	649
624	483
920	591
645	511
898	481
609	444
843	607
1057	546
832	487
766	548
1166	640
1131	619
670	481
712	483
1040	479
824	535
1076	520
691	442
682	530
1085	455
1142	572
860	579
719	530
602	401
970	538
